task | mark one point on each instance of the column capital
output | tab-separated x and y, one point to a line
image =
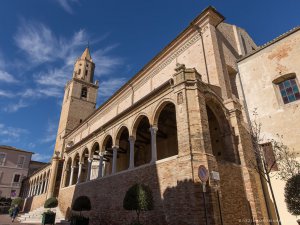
115	147
131	139
90	160
153	129
101	154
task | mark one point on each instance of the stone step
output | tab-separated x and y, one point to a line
36	216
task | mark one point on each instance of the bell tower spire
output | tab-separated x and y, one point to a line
79	99
84	67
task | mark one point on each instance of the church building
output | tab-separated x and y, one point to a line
181	111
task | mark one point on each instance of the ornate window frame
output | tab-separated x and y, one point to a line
277	81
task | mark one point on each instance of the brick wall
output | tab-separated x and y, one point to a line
107	195
34	202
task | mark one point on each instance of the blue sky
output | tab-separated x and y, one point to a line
40	41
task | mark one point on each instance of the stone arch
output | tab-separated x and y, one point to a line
142	147
107	145
83	153
122	141
95	149
84	165
118	134
136	123
159	108
220	131
166	135
75	165
95	158
68	169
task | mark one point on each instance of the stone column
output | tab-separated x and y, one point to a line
100	169
30	190
40	188
153	131
79	173
53	174
88	177
115	154
71	175
131	159
47	182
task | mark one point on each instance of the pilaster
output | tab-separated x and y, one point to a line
53	174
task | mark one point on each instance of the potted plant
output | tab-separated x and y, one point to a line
82	203
49	216
138	198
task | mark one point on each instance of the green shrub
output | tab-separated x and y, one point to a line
82	203
292	195
51	203
17	201
138	198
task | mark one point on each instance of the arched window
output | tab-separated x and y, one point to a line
84	92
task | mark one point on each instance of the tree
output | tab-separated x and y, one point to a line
284	158
292	195
51	203
138	198
283	161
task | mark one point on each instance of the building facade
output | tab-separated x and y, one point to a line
270	81
14	167
181	111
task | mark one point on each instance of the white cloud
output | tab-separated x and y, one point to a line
104	62
36	40
41	46
15	106
66	5
6	94
41	157
7	77
108	87
11	133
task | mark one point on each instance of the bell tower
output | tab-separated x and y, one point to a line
79	99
